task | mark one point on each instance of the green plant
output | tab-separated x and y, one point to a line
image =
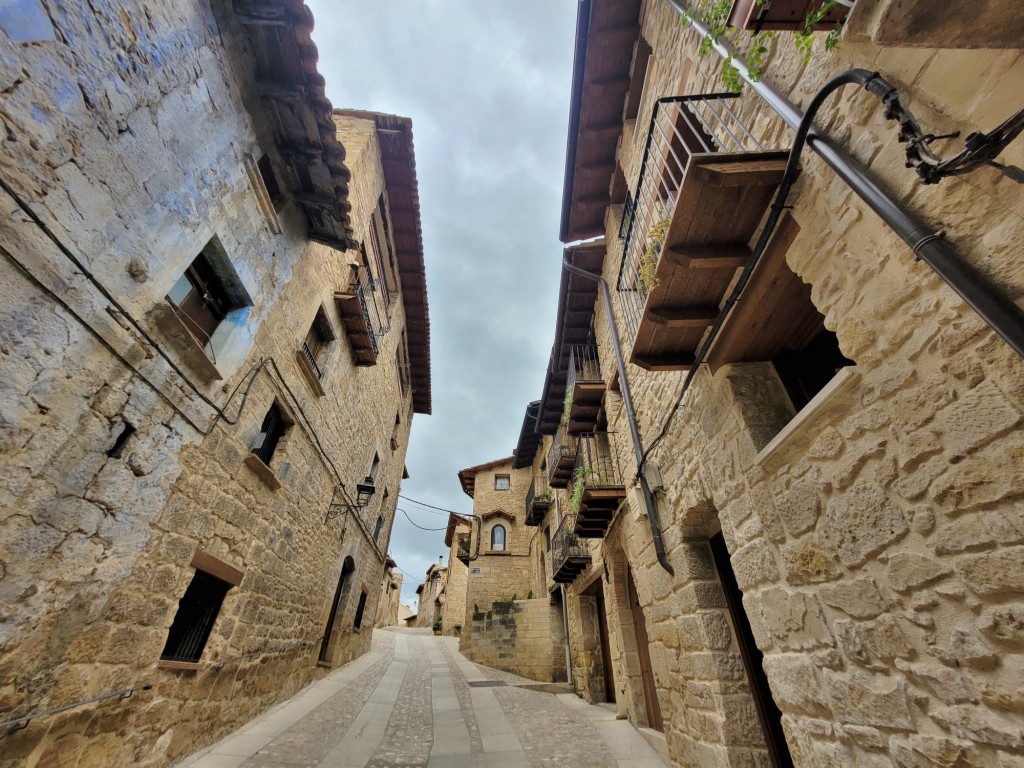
437	627
715	15
529	595
647	278
580	476
476	608
567	404
569	538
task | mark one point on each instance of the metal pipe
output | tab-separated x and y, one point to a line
929	245
627	399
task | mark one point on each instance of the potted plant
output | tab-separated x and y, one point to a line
567	404
647	277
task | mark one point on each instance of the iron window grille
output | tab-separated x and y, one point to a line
197	612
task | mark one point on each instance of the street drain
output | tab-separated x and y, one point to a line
485	683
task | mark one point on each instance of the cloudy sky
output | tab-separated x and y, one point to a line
486	84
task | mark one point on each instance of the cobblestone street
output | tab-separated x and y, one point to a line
414	700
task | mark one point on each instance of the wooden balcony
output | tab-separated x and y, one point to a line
598	489
360	317
463	548
704	186
561	459
538	501
585	387
569	555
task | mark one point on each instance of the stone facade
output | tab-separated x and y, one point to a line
390	594
432	595
875	534
458	575
127	451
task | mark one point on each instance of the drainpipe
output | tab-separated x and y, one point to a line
627	399
929	245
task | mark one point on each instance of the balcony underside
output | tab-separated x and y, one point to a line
463	557
538	509
561	472
571	568
721	202
597	508
587	397
359	334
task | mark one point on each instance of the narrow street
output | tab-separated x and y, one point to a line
414	700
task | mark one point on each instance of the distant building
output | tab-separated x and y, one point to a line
432	595
390	593
457	538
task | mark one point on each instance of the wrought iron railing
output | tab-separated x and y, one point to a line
596	463
584	366
562	445
463	553
311	359
538	500
681	127
566	545
362	287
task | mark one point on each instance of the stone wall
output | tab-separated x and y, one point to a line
523	636
455	592
877	546
131	149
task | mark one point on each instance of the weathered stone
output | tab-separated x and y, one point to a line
1004	624
869	700
907	571
807	563
970	722
859	598
864	523
793	619
994	573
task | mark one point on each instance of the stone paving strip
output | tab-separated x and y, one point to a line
415	702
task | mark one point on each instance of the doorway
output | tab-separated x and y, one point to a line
644	656
767	711
325	644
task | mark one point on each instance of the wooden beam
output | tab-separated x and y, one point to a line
602	89
596	199
680	362
601	131
260	15
746	173
716	256
688	317
621	35
269	89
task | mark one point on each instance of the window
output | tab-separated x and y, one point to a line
402	361
547	538
498	538
501	482
805	372
271	432
359	610
197	612
206	293
316	346
270	182
376	529
375	467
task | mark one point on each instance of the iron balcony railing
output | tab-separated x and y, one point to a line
584	366
569	553
463	540
538	500
681	127
362	287
560	455
596	464
311	359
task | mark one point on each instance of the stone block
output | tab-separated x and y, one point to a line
994	573
754	564
908	571
808	563
976	724
979	415
858	598
796	685
862	522
878	701
794	620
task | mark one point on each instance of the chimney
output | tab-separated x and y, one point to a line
440	561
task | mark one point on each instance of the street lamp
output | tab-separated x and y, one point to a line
364	492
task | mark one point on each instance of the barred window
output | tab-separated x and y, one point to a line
197	612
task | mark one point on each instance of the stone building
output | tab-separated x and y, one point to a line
432	595
806	547
215	336
511	622
390	594
457	539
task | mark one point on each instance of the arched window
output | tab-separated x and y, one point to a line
498	538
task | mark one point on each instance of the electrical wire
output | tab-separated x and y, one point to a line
417	525
430	506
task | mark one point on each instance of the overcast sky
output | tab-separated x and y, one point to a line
487	85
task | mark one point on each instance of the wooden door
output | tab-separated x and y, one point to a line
606	654
644	655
